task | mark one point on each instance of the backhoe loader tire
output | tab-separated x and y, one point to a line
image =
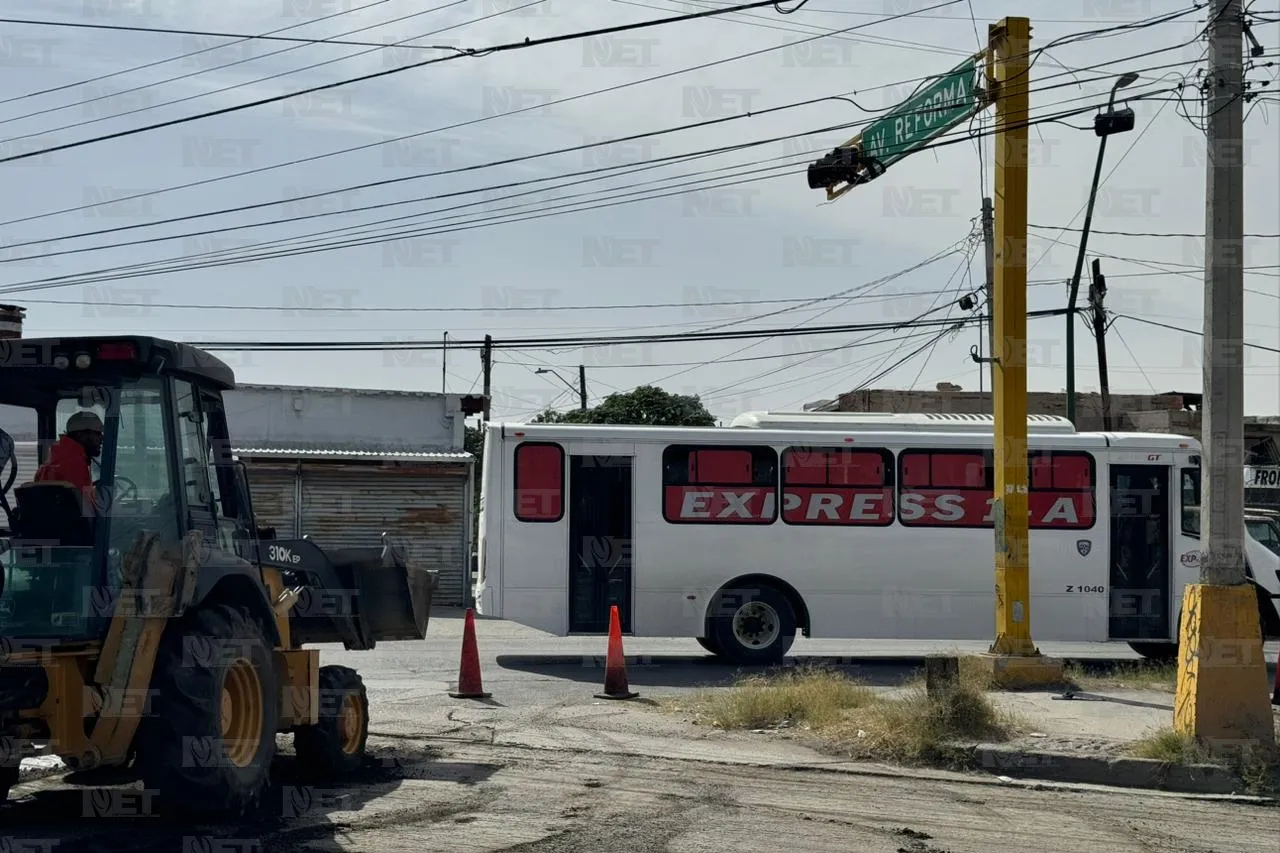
335	745
210	737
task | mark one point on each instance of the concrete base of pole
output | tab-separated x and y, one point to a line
1021	671
1222	694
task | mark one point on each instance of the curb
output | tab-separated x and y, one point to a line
1115	772
707	659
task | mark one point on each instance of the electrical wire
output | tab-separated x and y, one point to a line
144	66
185	264
224	66
548	343
605	90
386	72
403	179
1097	231
269	36
1190	331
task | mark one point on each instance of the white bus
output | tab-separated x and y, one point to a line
841	526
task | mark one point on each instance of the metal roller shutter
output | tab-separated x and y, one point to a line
273	488
27	456
423	506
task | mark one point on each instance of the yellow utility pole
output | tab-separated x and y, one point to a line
1013	657
937	106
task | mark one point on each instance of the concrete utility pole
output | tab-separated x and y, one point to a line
1013	657
1222	678
989	242
1097	298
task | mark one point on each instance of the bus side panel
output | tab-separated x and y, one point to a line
865	582
533	578
488	588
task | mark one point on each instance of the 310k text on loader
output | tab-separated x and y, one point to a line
149	622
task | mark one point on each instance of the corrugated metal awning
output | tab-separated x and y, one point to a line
339	455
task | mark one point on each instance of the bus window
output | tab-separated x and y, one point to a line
538	482
1191	502
950	488
956	489
837	486
719	485
1061	493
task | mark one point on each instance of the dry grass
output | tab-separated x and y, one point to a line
910	727
808	697
1140	675
1259	769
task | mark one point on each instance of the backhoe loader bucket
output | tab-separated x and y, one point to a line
395	598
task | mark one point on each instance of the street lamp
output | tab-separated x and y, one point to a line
581	390
1104	125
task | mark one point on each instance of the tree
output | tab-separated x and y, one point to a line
647	405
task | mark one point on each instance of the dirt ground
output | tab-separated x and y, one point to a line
614	777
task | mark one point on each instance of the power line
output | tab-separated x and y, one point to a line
438	173
386	72
275	76
144	66
221	35
582	95
1189	331
543	211
1139	233
568	342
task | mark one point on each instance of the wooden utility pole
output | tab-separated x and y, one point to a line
582	387
1222	677
486	365
1097	297
444	364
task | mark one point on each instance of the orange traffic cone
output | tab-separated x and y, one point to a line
469	686
615	664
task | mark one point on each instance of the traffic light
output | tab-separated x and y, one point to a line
1113	121
840	166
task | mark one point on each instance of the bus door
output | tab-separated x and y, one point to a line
1141	571
600	541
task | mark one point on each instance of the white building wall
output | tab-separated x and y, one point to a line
271	416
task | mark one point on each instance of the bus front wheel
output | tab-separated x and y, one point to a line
754	626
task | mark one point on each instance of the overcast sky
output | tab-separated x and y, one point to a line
894	249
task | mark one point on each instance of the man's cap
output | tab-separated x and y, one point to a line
84	421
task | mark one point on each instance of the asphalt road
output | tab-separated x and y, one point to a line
543	767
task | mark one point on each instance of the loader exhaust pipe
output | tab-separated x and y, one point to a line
11	317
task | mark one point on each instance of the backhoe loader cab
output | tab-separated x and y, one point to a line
145	619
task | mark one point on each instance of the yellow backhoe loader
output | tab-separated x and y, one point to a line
146	621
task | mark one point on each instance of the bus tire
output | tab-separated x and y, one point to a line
1159	652
753	627
709	644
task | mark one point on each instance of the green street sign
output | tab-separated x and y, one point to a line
939	105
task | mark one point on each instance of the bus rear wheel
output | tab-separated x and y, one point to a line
709	644
755	626
1159	652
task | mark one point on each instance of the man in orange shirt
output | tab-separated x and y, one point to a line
69	457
